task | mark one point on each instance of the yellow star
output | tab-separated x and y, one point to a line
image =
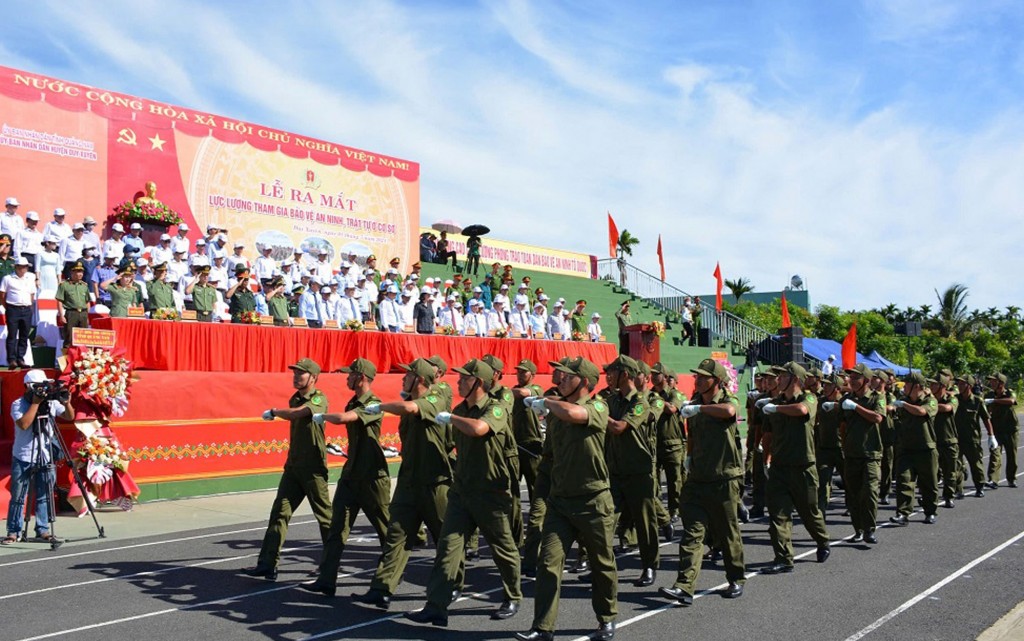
157	142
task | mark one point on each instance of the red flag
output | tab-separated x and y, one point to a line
613	236
661	259
718	287
785	312
850	348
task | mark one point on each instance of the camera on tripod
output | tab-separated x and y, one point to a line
51	390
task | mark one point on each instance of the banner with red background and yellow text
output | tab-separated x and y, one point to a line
86	150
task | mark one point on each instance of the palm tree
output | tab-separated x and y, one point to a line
627	242
926	311
889	312
1012	312
952	317
739	287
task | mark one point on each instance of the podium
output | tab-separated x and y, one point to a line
644	344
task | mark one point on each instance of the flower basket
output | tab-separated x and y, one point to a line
249	318
578	336
101	455
128	212
166	314
99	379
501	332
448	330
354	325
658	328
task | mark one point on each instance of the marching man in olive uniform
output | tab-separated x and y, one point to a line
828	439
479	498
917	462
526	427
305	470
793	474
579	503
1002	405
946	440
671	436
971	413
364	483
711	495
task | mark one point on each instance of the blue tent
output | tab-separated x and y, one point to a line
821	349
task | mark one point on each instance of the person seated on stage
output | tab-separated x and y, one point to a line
594	328
124	293
427	247
444	253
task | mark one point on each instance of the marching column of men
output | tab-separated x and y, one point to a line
592	464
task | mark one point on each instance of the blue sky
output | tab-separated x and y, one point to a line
875	148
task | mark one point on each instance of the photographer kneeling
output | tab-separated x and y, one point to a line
32	459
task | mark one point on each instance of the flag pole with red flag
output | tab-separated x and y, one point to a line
613	236
785	312
661	259
718	287
850	348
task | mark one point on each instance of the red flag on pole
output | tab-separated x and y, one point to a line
613	236
718	287
661	259
785	312
850	348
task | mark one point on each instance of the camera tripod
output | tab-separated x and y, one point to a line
45	454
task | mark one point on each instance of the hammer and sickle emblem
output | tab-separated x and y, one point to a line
126	136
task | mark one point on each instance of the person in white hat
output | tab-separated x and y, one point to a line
180	240
31	458
218	246
106	270
450	315
29	241
48	265
18	296
71	246
476	319
828	366
162	252
519	317
264	267
115	244
134	245
370	294
10	222
557	323
201	254
390	311
238	258
539	321
90	236
594	328
311	305
57	227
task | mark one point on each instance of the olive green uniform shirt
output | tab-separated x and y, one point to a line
945	422
1004	417
424	444
121	298
714	455
630	452
366	460
793	436
671	434
863	439
576	452
6	267
307	449
204	297
526	423
161	295
278	306
915	433
826	428
243	300
73	296
970	411
482	467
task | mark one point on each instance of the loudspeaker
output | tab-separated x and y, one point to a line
704	337
792	339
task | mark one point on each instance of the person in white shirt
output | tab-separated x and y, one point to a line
332	311
177	268
349	306
594	328
219	274
322	266
71	247
370	294
134	246
143	276
311	305
115	244
501	296
519	318
29	241
300	265
162	253
496	318
451	315
476	321
91	237
57	227
556	323
538	320
218	247
828	366
405	307
390	311
18	296
411	290
200	254
181	241
236	259
346	277
265	266
10	222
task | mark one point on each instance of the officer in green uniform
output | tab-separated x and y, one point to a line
793	474
73	301
364	483
711	495
631	458
971	412
441	388
277	301
305	469
828	441
503	396
946	441
240	297
671	436
881	386
578	319
526	426
293	301
204	295
758	425
656	407
1002	406
124	293
917	462
863	411
579	504
479	498
6	261
753	395
161	294
624	319
421	494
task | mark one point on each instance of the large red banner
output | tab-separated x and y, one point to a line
86	150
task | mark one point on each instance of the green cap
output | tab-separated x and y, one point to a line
562	361
915	378
659	368
422	368
477	368
835	379
793	369
527	366
861	369
643	368
581	367
307	365
815	372
997	376
78	267
496	363
438	362
361	366
966	378
624	364
711	367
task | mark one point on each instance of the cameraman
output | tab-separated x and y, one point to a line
31	459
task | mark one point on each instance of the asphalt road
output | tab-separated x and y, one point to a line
951	580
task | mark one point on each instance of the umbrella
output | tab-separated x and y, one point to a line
476	230
447	225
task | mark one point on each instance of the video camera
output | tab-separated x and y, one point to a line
51	391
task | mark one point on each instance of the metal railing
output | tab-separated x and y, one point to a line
723	325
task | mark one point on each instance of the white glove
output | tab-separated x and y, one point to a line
899	404
444	418
528	401
688	463
761	403
849	404
372	408
828	406
268	415
770	408
760	449
768	464
993	444
989	401
752	394
318	419
690	411
538	405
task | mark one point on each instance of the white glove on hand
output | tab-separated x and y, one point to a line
372	408
444	418
849	404
989	401
761	403
993	444
760	449
828	406
752	394
770	408
690	411
899	404
768	464
318	419
268	415
538	405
